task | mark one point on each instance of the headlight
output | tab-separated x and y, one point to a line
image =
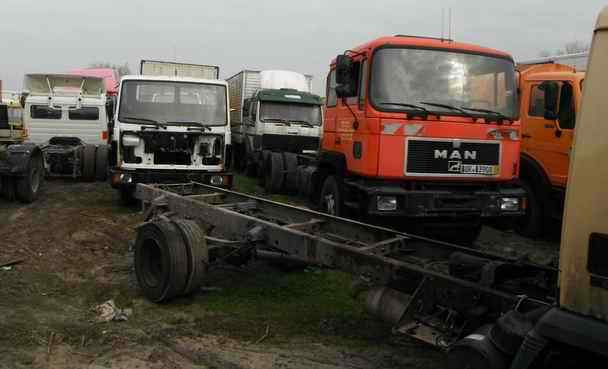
130	140
386	203
509	204
216	180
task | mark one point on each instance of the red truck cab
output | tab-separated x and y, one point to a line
420	127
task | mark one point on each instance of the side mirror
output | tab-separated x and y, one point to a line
551	90
345	76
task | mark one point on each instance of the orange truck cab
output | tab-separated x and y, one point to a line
424	128
550	96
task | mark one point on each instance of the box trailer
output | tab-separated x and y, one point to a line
164	68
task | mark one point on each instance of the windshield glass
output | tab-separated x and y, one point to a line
460	80
173	102
290	112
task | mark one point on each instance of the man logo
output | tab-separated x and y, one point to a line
456	155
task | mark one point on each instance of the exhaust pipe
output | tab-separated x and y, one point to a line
387	304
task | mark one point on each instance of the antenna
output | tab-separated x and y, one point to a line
442	22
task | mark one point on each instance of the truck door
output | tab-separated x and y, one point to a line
548	130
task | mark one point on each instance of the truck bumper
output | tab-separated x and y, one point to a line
486	202
129	178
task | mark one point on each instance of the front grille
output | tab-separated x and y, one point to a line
172	158
452	157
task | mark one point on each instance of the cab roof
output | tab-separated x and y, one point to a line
428	42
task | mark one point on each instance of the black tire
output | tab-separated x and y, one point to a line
8	188
263	167
331	200
28	186
88	163
101	163
198	254
291	168
531	223
275	174
161	261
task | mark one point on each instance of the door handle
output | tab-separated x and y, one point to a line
526	136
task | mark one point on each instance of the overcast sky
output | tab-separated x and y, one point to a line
56	35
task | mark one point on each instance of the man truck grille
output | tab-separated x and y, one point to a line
452	158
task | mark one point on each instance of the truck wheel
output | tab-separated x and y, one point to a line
531	223
161	261
8	188
88	163
28	186
198	254
291	175
101	163
275	174
331	197
263	167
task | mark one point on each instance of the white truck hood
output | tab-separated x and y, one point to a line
64	85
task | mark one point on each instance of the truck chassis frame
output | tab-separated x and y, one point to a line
435	291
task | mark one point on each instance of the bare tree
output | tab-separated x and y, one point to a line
573	47
120	69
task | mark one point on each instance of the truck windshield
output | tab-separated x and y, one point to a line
303	113
412	76
170	103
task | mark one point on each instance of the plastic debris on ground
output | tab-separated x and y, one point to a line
108	311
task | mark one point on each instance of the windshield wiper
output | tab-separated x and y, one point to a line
277	120
499	115
424	113
141	120
303	123
196	124
450	107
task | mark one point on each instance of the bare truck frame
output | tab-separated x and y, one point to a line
435	291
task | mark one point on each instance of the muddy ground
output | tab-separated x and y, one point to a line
75	246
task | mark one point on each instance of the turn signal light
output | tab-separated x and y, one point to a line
104	135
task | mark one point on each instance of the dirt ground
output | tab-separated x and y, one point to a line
74	244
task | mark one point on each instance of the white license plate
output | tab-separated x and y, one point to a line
488	170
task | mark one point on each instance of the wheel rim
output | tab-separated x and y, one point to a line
330	204
35	179
152	266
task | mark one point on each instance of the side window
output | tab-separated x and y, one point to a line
332	99
254	111
567	112
44	112
363	84
86	113
537	102
357	77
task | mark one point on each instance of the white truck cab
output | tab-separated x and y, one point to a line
168	129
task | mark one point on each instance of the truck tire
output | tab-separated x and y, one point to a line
531	223
291	175
331	200
28	186
8	188
161	261
263	167
88	163
101	163
198	254
275	174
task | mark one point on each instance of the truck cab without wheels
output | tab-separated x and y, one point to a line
421	128
170	129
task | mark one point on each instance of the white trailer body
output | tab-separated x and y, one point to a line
163	68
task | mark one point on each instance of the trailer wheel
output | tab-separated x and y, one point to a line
275	174
161	263
198	254
28	186
101	163
331	197
531	223
291	175
88	163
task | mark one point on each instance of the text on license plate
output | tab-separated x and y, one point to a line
488	170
